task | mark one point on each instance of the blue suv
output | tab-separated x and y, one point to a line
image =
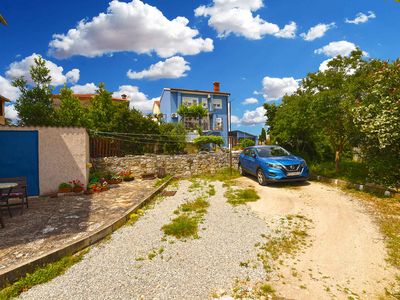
272	164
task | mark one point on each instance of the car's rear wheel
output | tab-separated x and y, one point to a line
241	170
261	177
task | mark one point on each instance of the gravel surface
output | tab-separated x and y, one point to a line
191	269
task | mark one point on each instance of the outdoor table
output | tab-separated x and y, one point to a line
7	187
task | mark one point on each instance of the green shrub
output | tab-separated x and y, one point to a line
244	143
181	227
208	139
65	185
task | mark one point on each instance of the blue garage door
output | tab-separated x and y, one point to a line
19	157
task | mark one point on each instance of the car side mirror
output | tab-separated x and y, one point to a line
254	155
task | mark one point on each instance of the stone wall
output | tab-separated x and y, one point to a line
179	165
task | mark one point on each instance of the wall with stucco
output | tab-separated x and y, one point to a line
63	155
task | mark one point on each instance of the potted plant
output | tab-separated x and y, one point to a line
77	186
115	179
65	188
127	175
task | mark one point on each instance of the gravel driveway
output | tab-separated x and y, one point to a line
140	263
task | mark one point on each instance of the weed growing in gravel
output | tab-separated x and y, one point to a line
223	175
211	190
199	206
261	290
196	184
41	275
182	226
241	196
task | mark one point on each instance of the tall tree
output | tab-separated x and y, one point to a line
101	111
71	111
270	112
263	136
35	105
333	94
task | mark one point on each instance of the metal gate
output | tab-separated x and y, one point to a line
19	157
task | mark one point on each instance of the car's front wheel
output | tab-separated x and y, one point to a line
261	177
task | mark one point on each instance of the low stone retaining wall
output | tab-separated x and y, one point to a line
178	165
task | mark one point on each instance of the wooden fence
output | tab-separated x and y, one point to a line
104	147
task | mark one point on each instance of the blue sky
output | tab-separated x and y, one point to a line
257	49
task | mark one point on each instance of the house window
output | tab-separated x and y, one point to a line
189	101
204	103
218	124
217	103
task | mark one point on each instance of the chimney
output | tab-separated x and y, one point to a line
216	86
123	96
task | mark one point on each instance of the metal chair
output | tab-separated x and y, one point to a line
18	192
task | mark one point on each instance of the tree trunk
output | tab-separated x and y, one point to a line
337	160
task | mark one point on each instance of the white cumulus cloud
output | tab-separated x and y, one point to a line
249	101
317	31
130	26
237	17
88	88
174	67
361	18
22	67
7	90
10	112
137	99
276	88
333	49
251	117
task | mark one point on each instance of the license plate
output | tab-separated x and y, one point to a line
294	174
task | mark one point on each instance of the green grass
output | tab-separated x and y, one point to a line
182	226
241	196
199	205
41	275
211	190
351	171
223	175
161	181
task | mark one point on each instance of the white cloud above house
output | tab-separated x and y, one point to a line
137	99
58	77
238	17
7	89
361	18
10	112
251	117
130	26
88	88
250	101
316	32
173	67
276	88
333	49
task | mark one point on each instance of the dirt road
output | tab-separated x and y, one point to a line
347	257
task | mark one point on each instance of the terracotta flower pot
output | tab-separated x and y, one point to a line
65	190
77	189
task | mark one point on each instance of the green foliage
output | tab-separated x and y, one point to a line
241	196
161	181
182	226
64	185
40	276
71	111
198	205
208	139
173	138
101	111
246	143
351	171
35	105
195	111
263	136
377	115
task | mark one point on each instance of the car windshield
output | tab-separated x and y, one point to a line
272	151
